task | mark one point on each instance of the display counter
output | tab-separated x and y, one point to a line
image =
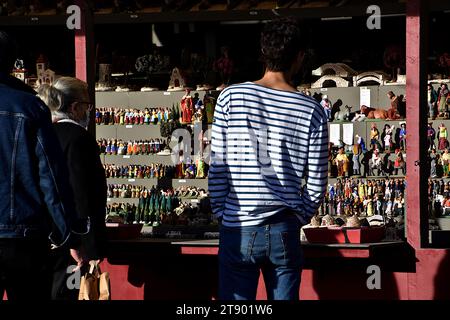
171	269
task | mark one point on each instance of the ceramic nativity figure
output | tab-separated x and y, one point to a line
326	105
356	163
209	103
445	160
341	161
432	99
374	136
362	144
402	136
187	108
442	137
433	163
431	135
388	130
443	96
399	162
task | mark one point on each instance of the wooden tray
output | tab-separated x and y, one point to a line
344	234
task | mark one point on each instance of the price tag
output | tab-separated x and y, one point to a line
253	13
195	200
34	19
131	180
126	157
108	200
166	93
323	89
129	126
182	181
133	16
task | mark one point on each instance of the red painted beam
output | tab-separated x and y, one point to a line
416	118
85	55
200	250
81	45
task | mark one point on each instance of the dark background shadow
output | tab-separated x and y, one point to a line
340	278
442	279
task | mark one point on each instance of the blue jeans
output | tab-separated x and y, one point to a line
273	247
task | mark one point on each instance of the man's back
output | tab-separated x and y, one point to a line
273	138
31	171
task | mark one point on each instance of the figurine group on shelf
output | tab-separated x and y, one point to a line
359	197
194	109
438	198
376	161
438	154
110	116
157	206
338	112
154	170
135	147
438	101
135	191
124	191
191	170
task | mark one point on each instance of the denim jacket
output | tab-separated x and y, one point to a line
35	195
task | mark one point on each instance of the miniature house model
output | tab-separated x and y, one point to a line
177	82
44	75
326	80
333	75
370	76
334	69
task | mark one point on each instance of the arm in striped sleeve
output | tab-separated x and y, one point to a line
317	165
218	171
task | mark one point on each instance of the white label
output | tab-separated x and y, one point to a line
364	98
335	133
126	157
109	199
195	200
133	16
182	181
166	93
129	126
131	180
323	89
34	19
347	129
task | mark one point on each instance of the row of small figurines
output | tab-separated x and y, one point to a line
183	214
157	170
381	165
154	170
132	191
135	147
390	139
108	116
440	187
362	188
368	207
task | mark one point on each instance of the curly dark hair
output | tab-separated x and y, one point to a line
280	43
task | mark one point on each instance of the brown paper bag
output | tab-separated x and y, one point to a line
95	285
104	287
89	287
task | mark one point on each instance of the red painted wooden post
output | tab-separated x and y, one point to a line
416	116
85	55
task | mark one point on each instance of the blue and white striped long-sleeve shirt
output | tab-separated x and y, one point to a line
264	142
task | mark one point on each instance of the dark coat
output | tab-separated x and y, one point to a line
88	181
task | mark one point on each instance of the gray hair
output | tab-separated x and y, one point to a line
61	94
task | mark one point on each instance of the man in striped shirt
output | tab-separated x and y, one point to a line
267	138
